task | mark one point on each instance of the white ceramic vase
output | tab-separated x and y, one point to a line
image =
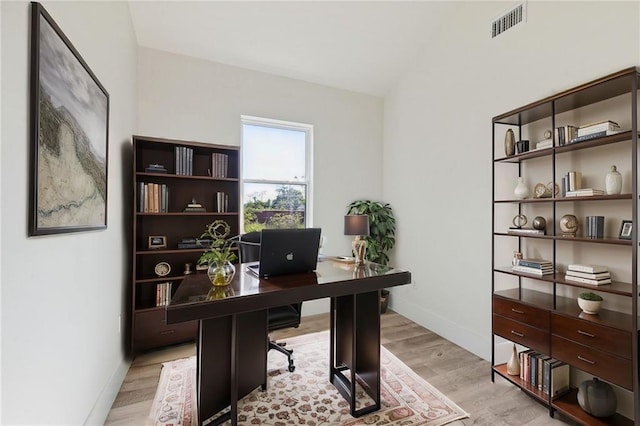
613	181
521	190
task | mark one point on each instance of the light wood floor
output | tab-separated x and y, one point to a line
460	375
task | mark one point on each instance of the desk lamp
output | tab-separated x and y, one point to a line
358	225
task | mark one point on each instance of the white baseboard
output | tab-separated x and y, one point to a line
478	345
103	404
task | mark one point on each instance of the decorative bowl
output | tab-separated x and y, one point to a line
589	306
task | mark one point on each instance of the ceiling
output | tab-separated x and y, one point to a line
354	45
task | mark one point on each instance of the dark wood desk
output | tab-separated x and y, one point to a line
233	340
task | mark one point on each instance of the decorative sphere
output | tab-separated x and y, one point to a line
539	222
569	224
597	398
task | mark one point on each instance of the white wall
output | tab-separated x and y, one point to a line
437	149
62	353
186	98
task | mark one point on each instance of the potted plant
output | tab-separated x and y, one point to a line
590	302
382	231
218	256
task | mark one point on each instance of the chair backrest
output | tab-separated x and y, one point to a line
281	316
249	246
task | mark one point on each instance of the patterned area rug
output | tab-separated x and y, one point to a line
306	397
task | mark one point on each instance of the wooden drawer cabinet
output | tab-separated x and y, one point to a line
599	337
604	365
515	310
151	330
515	331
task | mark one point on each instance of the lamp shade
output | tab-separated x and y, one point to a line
356	224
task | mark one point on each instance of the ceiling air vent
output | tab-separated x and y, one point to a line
509	19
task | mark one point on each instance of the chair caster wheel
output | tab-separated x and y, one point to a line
291	368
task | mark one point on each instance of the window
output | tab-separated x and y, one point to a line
276	174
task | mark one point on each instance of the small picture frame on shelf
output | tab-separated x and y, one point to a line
626	230
157	242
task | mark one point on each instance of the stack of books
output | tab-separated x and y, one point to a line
547	374
545	143
584	192
588	274
534	266
595	130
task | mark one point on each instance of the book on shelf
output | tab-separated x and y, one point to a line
184	160
163	294
594	227
219	165
222	202
574	181
155	168
532	271
595	135
580	280
565	133
588	268
584	192
535	263
591	128
544	144
153	198
523	355
525	231
598	276
558	378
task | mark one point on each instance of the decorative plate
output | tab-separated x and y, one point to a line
162	269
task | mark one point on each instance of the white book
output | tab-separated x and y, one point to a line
598	276
532	271
591	269
587	280
588	129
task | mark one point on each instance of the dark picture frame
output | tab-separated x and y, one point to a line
69	135
626	230
157	242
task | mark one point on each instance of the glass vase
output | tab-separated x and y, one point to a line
221	274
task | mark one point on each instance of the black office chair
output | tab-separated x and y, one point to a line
280	317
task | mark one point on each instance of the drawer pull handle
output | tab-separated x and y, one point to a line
584	333
517	311
168	332
586	360
517	334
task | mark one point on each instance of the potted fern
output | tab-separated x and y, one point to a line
382	231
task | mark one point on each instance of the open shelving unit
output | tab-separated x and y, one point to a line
540	312
148	326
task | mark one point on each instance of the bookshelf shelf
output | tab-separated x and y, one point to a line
149	329
541	312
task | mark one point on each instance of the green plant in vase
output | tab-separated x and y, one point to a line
218	256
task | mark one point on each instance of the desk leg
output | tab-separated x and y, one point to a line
355	346
230	363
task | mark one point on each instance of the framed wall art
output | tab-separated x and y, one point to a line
69	135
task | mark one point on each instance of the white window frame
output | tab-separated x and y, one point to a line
308	179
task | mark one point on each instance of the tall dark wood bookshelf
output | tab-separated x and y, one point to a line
200	177
540	313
